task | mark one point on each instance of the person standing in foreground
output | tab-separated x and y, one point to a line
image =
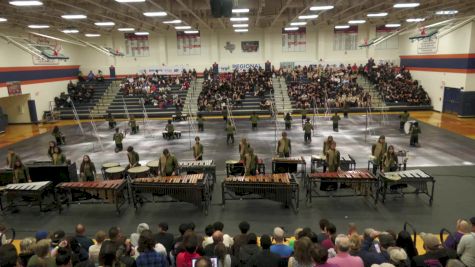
168	164
414	132
254	118
198	149
230	130
335	119
288	121
284	147
403	118
307	128
118	137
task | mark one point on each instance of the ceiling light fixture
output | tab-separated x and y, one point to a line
446	12
155	14
26	3
126	29
240	10
339	27
183	27
406	5
358	21
141	33
299	23
74	16
70	31
92	35
240	25
3	19
38	26
320	8
392	25
308	17
130	1
415	20
176	21
241	30
105	23
291	29
192	32
239	19
381	14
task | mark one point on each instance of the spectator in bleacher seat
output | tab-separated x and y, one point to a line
398	257
242	238
81	76
376	252
42	256
148	254
164	238
462	228
100	76
323	223
302	253
96	248
330	234
455	263
134	237
217	238
26	250
404	241
223	255
466	246
227	239
249	250
91	76
343	258
435	255
208	239
320	257
279	248
265	258
81	237
8	256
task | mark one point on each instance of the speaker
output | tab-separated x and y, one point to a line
215	8
32	108
226	8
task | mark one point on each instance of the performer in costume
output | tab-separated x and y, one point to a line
284	147
198	149
168	164
87	171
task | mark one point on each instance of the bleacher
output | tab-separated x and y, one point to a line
83	109
249	105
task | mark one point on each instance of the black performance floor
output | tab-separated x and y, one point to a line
448	157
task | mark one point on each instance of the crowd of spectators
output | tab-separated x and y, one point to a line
395	84
156	90
79	93
220	89
325	86
325	247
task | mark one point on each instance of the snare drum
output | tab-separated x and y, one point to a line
153	165
139	172
115	173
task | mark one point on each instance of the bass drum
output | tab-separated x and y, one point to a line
407	126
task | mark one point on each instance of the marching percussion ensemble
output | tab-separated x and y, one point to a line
281	187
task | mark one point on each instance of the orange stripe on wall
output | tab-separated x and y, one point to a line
442	70
9	69
442	56
43	81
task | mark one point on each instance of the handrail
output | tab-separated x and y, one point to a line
408	225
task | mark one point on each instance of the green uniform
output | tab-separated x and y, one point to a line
198	151
284	147
335	119
58	159
390	162
230	129
133	159
288	122
118	137
254	118
414	132
326	147
304	114
404	117
378	152
133	126
307	128
200	121
168	165
88	171
170	130
11	159
20	175
250	161
243	149
333	160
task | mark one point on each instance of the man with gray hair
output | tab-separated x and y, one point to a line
466	247
279	247
343	258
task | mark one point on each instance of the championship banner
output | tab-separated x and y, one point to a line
294	41
14	88
188	44
136	45
250	46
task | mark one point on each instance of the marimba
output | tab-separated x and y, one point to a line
346	163
176	134
289	165
362	183
279	187
234	167
198	166
36	191
41	170
111	192
417	179
192	188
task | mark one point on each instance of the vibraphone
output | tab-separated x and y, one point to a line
198	166
36	191
289	165
362	183
193	188
112	192
346	163
417	179
279	187
176	134
234	167
39	170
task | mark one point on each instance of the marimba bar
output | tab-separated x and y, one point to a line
289	165
37	191
198	166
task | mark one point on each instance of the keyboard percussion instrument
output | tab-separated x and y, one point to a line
236	167
289	165
35	192
198	166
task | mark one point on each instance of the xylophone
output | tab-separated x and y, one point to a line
362	183
289	165
200	166
112	192
35	191
418	179
234	167
192	188
41	170
279	187
176	134
346	163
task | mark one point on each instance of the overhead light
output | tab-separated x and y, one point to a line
3	19
241	30
105	23
192	32
446	12
38	26
26	3
240	10
392	25
130	1
358	21
71	31
415	20
126	29
308	17
183	27
176	21
141	33
291	29
406	5
320	8
240	25
299	23
75	16
239	19
155	14
92	35
342	26
381	14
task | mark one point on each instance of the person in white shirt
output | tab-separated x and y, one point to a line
466	246
228	241
96	248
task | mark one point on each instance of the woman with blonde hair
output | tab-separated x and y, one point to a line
302	253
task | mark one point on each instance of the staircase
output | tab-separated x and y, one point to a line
192	96
100	110
376	99
282	100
